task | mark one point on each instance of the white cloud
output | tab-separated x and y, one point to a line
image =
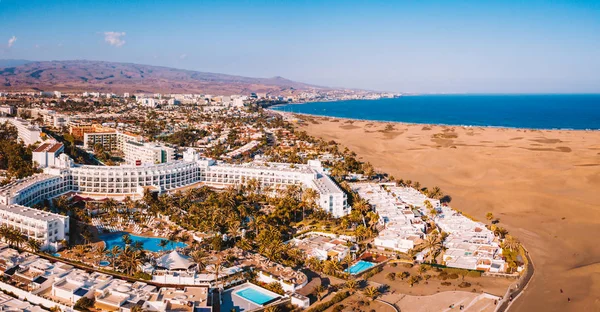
114	38
183	56
11	41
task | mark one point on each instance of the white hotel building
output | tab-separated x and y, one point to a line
129	180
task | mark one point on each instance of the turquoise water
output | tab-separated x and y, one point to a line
56	255
255	295
149	243
359	267
515	111
104	263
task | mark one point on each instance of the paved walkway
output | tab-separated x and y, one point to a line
445	301
522	284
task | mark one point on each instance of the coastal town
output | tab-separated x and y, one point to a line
195	202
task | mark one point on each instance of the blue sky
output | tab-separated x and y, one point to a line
403	46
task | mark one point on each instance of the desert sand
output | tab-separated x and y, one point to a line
543	185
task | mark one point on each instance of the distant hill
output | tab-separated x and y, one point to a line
133	78
12	63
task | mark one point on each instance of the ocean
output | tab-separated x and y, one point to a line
578	111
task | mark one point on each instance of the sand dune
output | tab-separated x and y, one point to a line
543	185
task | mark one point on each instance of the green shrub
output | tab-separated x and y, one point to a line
464	285
143	275
446	283
338	308
84	304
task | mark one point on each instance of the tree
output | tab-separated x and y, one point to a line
433	243
404	275
351	285
371	292
332	267
84	304
163	243
499	231
114	254
391	276
129	260
127	239
412	280
33	245
489	216
511	243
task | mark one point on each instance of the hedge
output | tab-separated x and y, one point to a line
326	305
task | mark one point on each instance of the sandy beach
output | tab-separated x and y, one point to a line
543	185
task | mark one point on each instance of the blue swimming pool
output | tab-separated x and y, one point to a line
255	295
359	267
104	263
149	243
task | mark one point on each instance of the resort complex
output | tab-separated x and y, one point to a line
217	205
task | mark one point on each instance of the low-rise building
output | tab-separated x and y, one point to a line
47	228
46	154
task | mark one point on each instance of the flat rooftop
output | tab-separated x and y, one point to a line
32	213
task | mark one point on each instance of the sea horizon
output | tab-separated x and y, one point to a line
543	111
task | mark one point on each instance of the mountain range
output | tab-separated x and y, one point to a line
82	75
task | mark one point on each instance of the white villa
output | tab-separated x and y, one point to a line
323	247
402	229
470	245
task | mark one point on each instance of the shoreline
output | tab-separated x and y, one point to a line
424	124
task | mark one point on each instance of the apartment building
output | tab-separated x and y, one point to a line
138	153
111	140
28	134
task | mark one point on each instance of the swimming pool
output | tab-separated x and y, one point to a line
104	263
359	267
255	295
148	243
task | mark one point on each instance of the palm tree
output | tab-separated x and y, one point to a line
433	242
436	193
499	231
331	267
351	285
101	250
130	260
163	243
412	280
114	254
199	256
511	243
314	264
127	239
33	245
371	292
